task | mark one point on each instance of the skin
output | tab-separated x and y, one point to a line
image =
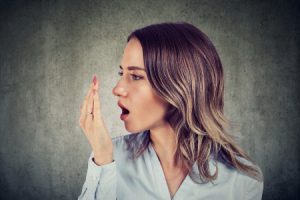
147	111
93	126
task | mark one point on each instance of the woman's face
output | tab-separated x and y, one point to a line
146	109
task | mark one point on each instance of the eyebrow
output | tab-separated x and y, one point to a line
133	68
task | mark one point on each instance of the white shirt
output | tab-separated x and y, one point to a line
143	179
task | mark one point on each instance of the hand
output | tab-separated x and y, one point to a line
93	126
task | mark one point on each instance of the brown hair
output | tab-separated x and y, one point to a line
184	68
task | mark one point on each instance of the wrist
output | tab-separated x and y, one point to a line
103	159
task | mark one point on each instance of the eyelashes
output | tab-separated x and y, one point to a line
134	77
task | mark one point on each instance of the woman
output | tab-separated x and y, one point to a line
171	96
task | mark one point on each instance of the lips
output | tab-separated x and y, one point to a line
125	111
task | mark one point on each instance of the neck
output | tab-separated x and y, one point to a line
164	143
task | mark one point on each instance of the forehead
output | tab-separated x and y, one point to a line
133	54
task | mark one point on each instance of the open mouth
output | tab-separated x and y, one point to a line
125	114
125	111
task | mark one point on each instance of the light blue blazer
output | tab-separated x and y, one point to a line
143	179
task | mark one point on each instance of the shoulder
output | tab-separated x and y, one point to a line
226	171
247	186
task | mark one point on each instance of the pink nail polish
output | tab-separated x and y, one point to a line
94	79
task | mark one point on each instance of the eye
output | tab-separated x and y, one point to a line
135	77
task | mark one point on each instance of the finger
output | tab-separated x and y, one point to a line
96	86
84	109
90	103
82	116
86	98
83	113
97	112
96	104
90	89
89	117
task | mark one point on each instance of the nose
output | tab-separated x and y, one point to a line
119	91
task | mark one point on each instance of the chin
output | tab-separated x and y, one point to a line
134	129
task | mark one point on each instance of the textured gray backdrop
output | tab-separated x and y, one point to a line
49	51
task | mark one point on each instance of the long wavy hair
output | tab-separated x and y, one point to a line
184	69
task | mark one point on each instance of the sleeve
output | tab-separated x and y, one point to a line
254	190
100	182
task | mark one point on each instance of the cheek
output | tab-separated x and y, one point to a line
148	106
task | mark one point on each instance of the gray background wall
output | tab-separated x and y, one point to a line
49	51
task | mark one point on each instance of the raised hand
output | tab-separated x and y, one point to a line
93	126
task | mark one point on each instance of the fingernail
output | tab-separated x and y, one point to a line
94	79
